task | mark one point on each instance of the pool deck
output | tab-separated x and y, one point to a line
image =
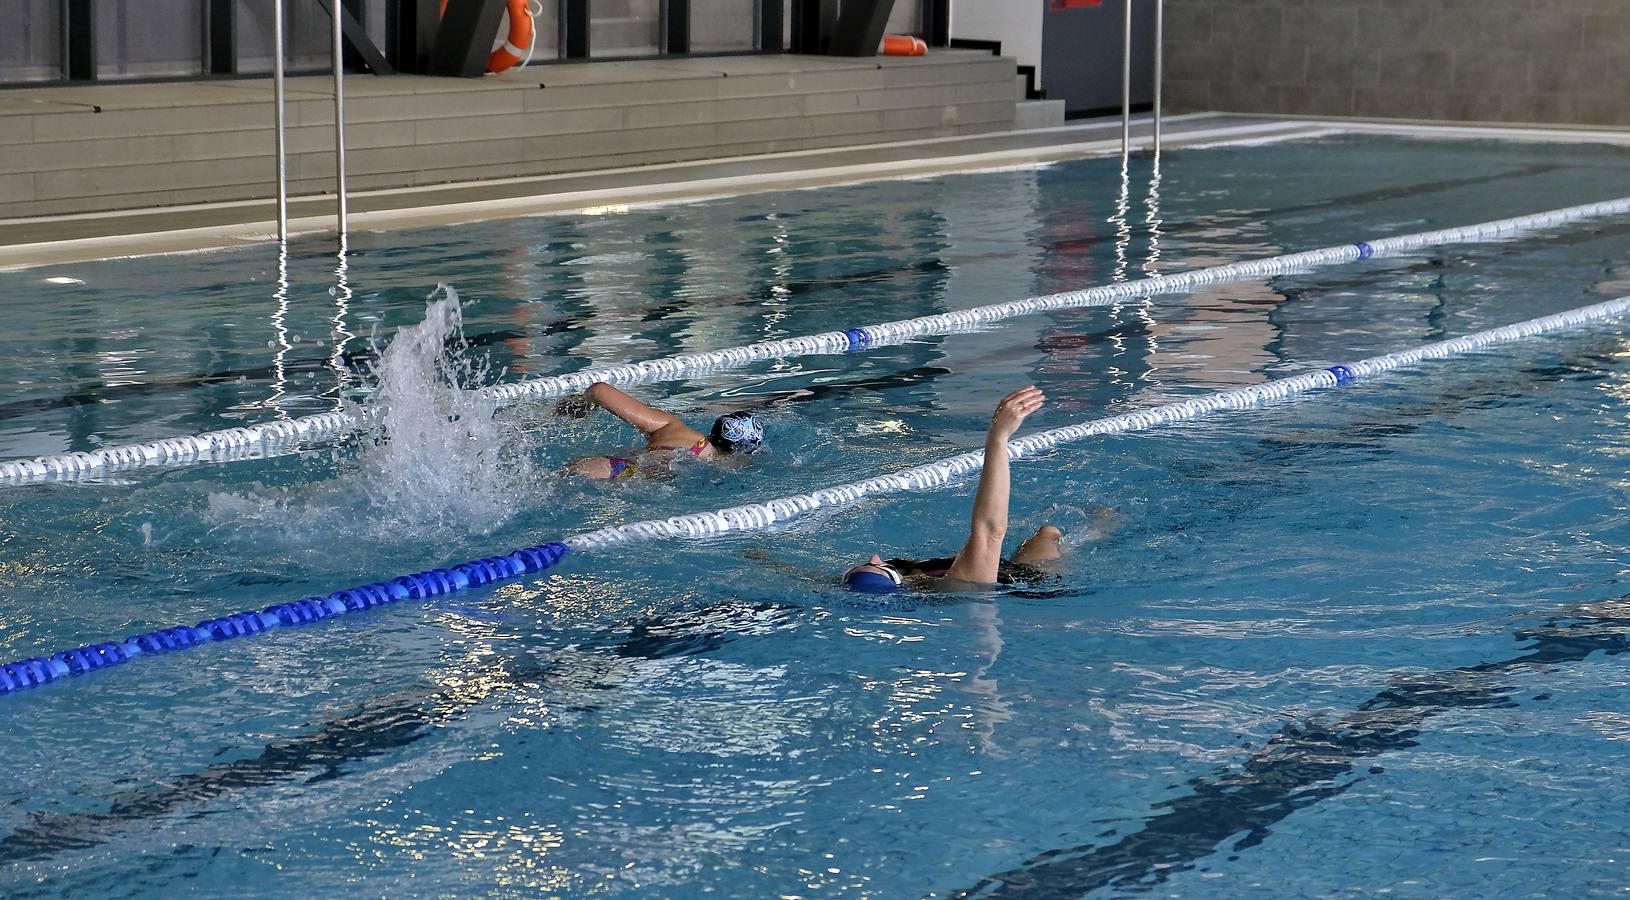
69	238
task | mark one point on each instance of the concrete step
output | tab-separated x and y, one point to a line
148	147
1038	114
1021	87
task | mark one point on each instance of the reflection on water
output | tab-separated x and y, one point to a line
280	330
340	336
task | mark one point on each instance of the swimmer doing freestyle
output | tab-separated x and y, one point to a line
979	563
665	435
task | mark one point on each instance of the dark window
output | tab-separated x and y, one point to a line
31	44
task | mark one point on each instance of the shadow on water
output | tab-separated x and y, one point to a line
1298	767
381	726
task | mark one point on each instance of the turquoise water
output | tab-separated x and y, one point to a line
1359	642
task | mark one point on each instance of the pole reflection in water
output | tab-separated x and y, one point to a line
1151	268
341	335
1119	372
279	315
1152	220
1123	227
776	297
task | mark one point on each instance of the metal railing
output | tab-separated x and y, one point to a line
336	9
1126	74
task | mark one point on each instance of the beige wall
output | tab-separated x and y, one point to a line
1539	61
1017	25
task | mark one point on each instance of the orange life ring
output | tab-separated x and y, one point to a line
517	43
903	45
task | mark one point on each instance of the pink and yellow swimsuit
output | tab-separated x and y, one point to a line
624	467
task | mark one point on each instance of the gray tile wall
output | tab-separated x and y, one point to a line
1525	61
107	147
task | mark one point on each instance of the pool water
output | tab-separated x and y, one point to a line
1364	641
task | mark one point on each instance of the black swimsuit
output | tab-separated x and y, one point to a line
1007	572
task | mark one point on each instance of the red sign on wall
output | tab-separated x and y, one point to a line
1061	5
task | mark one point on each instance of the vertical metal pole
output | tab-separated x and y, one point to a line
1126	81
1160	63
338	6
282	155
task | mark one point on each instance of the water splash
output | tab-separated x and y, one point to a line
440	454
438	465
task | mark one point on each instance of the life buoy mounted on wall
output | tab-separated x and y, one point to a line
518	33
903	45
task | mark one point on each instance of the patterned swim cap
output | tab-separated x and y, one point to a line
737	433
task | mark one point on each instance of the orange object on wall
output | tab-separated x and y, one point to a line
517	43
1061	5
903	45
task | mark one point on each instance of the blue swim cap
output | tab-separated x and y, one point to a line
872	582
737	433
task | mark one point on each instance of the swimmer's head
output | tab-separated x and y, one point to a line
737	433
874	576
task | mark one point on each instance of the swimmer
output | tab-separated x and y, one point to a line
979	563
665	436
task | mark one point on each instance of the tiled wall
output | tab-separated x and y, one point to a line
1536	61
121	146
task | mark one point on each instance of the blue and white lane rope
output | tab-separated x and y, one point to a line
34	672
29	673
271	438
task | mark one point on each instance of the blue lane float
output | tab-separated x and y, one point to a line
39	670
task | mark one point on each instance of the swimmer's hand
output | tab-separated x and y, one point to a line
577	406
1013	409
1105	521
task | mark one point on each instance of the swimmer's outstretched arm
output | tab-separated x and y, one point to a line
648	419
982	553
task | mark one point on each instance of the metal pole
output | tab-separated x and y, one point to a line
339	113
1160	63
1126	81
282	155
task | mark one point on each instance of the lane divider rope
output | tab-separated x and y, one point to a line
30	673
272	438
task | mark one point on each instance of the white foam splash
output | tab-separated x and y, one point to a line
440	455
437	464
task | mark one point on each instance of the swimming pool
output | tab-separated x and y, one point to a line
1265	680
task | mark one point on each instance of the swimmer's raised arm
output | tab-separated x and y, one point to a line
982	553
648	419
